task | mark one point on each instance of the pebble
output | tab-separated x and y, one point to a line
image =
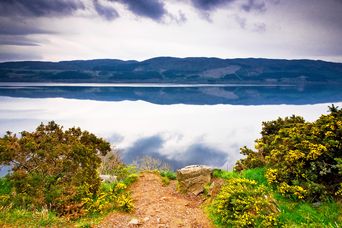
134	221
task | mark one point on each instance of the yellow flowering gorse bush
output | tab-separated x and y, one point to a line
303	159
242	203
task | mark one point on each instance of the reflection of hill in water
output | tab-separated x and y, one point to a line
245	95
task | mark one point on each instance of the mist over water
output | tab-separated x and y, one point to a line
180	134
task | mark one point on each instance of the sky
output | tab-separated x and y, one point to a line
55	30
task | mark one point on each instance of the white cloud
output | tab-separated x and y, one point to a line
287	29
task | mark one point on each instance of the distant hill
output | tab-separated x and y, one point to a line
175	70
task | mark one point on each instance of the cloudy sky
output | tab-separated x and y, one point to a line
140	29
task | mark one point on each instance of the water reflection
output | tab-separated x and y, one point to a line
203	94
179	134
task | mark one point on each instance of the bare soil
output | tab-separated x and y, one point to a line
159	206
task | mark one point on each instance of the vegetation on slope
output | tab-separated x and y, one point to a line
175	70
292	178
55	177
296	168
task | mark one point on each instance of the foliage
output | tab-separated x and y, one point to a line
254	160
25	218
265	145
111	196
303	159
292	212
52	168
169	174
244	203
256	174
5	186
166	176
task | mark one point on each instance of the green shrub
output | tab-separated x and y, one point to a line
53	168
131	178
169	174
5	186
111	196
244	203
303	159
123	171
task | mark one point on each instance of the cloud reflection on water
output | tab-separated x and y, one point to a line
179	134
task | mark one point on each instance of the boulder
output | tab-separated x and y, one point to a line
193	178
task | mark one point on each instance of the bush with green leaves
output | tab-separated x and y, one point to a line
303	159
53	168
110	196
168	174
244	203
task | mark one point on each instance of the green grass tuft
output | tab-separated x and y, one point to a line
169	174
257	174
294	213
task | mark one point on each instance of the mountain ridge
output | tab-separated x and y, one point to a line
175	70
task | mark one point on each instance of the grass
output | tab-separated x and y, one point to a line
169	174
20	217
257	174
292	213
44	218
166	176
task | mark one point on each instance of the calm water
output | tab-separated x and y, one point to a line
180	125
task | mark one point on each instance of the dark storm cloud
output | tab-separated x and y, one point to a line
9	26
148	146
209	5
107	12
204	155
144	146
153	9
39	8
17	41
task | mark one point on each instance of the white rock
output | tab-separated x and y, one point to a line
108	178
134	221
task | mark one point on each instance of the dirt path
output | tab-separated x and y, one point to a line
159	206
